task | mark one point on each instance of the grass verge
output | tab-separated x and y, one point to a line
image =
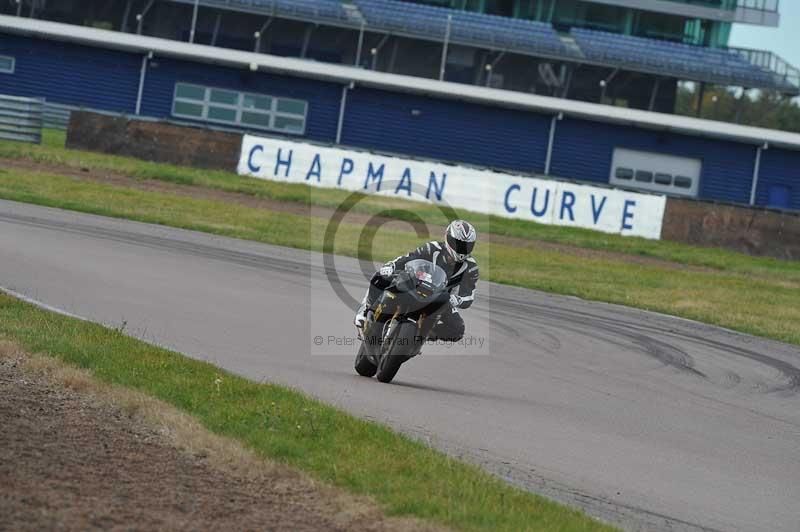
405	477
52	152
747	302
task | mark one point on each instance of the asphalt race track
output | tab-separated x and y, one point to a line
643	420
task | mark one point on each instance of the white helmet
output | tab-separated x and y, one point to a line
460	239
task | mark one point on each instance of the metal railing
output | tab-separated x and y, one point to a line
761	12
21	119
56	116
759	5
786	76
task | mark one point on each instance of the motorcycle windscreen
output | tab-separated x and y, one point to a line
427	274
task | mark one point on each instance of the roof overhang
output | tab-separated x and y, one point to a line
407	84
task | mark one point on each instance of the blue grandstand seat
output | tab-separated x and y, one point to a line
531	37
675	59
325	9
467	27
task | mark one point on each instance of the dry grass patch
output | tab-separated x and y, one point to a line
184	432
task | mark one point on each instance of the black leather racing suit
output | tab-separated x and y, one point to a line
462	278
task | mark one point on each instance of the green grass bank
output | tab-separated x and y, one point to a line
405	477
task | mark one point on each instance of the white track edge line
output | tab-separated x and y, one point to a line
41	304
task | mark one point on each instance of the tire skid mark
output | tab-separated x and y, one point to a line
254	260
161	243
791	373
494	323
667	354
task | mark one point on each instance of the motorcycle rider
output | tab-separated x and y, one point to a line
453	255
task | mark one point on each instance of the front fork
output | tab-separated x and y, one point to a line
375	341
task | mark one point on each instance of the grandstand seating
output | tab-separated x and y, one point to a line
313	9
636	53
467	27
675	59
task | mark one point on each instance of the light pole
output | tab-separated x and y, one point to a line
194	20
360	43
260	33
140	16
443	64
489	70
374	53
604	83
19	8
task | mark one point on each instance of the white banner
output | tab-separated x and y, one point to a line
539	200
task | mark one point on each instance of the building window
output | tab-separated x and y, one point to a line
6	64
624	173
241	109
663	179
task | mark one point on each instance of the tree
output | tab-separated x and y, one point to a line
767	109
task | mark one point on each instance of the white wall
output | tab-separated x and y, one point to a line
556	203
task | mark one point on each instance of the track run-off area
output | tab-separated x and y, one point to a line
646	421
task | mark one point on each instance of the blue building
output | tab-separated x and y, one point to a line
412	116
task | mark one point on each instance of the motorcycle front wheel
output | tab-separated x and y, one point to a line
364	367
399	348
